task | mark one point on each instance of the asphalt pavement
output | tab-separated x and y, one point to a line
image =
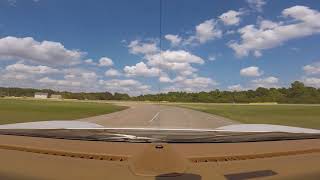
159	116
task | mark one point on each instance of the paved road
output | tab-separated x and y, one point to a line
159	116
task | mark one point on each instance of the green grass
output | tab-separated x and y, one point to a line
307	116
17	111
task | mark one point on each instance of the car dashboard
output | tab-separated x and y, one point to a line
25	157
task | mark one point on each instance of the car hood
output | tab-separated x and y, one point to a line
90	125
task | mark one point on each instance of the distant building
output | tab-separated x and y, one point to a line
56	96
40	95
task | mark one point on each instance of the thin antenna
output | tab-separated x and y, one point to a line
160	45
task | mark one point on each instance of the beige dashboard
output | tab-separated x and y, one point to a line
44	158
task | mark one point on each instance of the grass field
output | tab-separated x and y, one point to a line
307	116
16	111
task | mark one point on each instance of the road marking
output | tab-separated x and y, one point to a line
154	117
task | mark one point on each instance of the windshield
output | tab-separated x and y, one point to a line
160	70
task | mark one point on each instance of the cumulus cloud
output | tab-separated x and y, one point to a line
312	81
22	75
53	82
138	47
112	73
141	69
207	31
175	40
193	84
45	52
204	32
164	78
236	87
12	2
179	56
105	61
177	61
231	17
89	75
130	86
81	76
272	34
312	69
22	68
197	82
256	4
251	71
89	61
17	79
267	82
312	72
212	58
74	79
11	77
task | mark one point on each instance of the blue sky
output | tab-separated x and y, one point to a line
114	45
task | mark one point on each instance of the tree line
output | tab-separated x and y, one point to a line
296	93
29	92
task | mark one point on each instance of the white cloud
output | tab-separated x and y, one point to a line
230	32
212	58
119	82
267	82
12	2
236	87
251	71
194	84
207	31
52	82
312	81
130	86
204	32
137	47
22	68
256	4
21	75
197	82
90	61
45	52
11	77
231	17
175	40
164	78
177	61
86	80
17	79
112	73
89	75
141	69
257	53
74	79
105	61
272	34
312	68
267	24
179	56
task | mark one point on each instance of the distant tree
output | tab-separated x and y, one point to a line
296	93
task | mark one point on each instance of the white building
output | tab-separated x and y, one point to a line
40	95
